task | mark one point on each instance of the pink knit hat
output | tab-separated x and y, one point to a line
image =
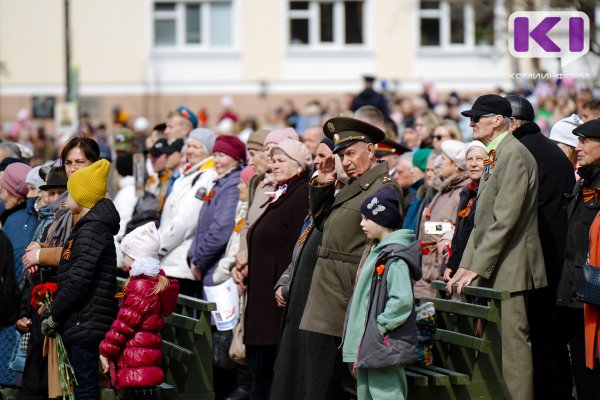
278	135
297	151
247	174
13	179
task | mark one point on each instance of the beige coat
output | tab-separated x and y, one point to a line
504	247
341	249
443	208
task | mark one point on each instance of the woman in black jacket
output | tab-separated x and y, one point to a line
85	305
476	155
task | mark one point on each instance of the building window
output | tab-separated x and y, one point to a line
456	24
193	25
326	23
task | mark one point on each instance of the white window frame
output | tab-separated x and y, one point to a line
443	14
179	15
313	16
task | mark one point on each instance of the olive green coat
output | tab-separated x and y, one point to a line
504	247
341	250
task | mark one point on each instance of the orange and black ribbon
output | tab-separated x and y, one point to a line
464	213
590	194
239	225
491	159
208	197
305	234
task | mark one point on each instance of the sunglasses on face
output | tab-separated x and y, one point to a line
477	118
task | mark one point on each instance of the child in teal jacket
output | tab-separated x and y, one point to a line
380	335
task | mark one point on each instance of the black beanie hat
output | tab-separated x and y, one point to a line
383	208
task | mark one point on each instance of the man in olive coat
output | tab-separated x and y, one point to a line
338	217
504	251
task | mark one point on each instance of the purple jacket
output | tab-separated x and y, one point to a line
215	225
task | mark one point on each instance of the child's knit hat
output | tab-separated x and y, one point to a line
87	186
383	208
142	242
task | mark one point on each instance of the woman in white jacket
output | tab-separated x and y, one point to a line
181	209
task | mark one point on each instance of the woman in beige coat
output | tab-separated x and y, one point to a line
439	217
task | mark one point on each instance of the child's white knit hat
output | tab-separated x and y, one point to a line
142	242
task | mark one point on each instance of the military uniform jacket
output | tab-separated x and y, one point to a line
504	247
341	249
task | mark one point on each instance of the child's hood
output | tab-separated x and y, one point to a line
402	242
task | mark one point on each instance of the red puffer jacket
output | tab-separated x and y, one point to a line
133	342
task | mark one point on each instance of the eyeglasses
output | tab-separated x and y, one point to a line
477	118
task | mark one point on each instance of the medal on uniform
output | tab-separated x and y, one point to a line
487	169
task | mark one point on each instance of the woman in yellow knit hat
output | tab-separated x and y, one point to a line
85	304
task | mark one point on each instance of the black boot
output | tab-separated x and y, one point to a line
239	393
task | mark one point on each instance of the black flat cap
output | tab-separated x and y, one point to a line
160	147
345	131
588	129
489	104
521	108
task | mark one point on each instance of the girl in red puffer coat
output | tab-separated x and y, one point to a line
133	343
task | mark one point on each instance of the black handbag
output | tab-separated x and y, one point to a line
590	285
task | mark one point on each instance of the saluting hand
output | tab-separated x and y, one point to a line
327	173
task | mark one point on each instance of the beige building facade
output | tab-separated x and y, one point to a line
148	56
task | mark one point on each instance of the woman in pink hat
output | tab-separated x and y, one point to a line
18	221
271	240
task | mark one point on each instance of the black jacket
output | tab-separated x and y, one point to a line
556	178
369	97
85	305
581	215
464	224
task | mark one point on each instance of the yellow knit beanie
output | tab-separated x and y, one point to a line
87	186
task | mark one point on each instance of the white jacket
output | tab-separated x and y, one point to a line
223	270
125	202
180	217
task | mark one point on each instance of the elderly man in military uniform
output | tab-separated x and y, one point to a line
338	216
504	251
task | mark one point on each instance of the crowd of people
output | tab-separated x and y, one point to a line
332	223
